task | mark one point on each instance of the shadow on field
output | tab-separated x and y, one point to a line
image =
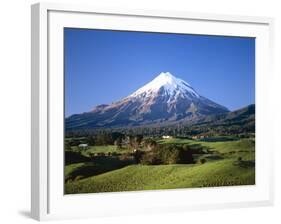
220	139
71	157
213	157
98	165
198	148
245	164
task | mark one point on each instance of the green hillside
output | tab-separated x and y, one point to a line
141	177
219	163
243	145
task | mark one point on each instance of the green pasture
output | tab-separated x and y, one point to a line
141	177
227	163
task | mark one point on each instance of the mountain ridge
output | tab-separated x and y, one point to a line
164	99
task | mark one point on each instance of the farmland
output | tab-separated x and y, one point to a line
109	168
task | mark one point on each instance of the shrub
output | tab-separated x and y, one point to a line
172	154
149	143
101	154
118	143
150	158
91	154
125	157
78	178
202	161
138	155
168	154
164	154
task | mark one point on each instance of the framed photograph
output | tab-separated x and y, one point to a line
148	111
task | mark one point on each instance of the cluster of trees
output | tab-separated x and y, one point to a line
99	138
104	138
131	141
108	136
165	154
144	150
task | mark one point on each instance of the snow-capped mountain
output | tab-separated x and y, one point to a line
172	86
164	99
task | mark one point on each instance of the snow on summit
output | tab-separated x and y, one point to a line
171	85
164	99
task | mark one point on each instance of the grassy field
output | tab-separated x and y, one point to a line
76	171
106	149
244	148
101	149
227	163
140	177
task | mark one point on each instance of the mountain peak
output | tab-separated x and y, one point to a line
164	99
166	77
169	83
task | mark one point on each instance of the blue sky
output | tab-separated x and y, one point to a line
104	66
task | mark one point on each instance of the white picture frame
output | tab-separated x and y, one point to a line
48	201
